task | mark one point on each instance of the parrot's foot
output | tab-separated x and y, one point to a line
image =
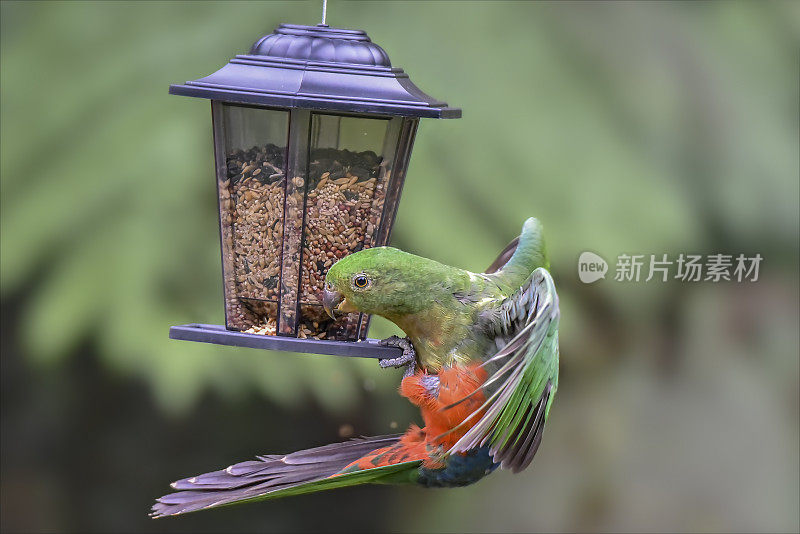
408	359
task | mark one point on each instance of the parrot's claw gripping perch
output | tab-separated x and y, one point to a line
408	359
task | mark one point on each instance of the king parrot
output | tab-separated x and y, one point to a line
481	361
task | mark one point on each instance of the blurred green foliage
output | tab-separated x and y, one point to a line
625	127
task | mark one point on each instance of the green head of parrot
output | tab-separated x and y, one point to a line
382	280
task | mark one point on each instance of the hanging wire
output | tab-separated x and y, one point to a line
324	12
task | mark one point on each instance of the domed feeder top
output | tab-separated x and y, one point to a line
321	68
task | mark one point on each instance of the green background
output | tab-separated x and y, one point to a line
644	128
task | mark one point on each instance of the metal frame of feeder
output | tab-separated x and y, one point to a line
308	71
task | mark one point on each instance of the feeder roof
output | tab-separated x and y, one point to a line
318	67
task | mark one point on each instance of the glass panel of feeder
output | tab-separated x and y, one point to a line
297	168
349	169
404	141
250	146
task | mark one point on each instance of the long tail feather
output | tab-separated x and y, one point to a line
273	476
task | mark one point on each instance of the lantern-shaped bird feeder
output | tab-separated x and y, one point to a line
313	131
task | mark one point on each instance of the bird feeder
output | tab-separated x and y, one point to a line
313	131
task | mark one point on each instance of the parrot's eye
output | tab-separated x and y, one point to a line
360	281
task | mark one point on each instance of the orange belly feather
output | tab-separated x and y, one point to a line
436	437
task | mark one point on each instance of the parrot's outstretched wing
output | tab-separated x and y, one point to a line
520	389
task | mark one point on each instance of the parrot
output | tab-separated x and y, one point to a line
480	360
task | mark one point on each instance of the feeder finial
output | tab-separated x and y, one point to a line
324	13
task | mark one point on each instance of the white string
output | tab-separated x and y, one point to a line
324	11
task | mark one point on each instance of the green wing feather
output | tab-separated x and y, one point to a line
521	388
514	265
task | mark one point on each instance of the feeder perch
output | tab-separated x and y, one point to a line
313	131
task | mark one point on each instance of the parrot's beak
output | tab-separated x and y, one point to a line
331	299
